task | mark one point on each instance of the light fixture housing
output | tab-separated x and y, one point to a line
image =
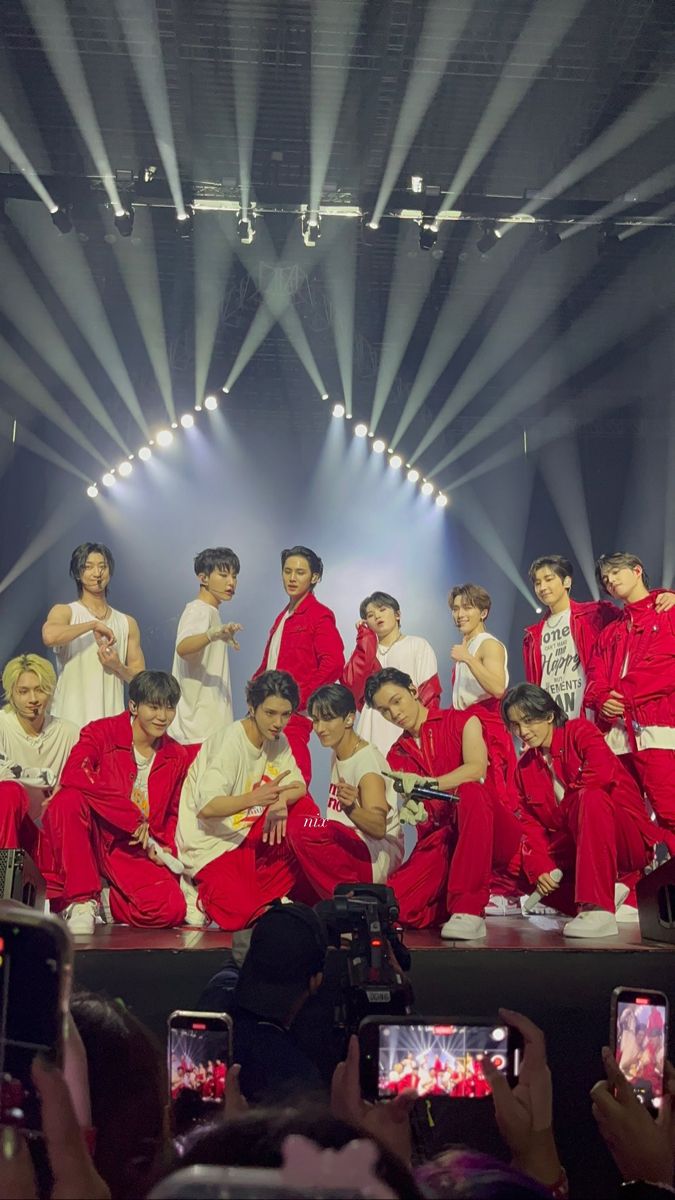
164	437
187	420
310	224
124	221
488	240
145	453
185	222
413	475
124	469
427	488
338	410
396	462
441	500
417	184
92	491
211	403
61	220
246	226
379	446
361	430
108	480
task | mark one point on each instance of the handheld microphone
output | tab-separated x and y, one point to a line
536	897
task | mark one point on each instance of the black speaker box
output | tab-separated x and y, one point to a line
656	904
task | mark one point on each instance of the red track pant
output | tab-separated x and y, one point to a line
329	853
18	832
297	731
654	772
449	869
86	848
598	845
237	886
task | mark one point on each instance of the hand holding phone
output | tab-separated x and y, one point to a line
199	1055
639	1040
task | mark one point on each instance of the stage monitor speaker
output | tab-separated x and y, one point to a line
656	904
20	879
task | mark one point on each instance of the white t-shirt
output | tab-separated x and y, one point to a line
228	764
84	690
466	690
46	751
275	644
562	674
413	655
386	853
139	791
558	785
205	703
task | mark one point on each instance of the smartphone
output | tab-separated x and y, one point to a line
639	1039
200	1052
36	965
437	1056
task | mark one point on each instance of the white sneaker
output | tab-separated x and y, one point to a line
592	923
81	917
193	915
503	906
464	927
106	910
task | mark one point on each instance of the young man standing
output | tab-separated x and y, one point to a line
115	813
380	643
558	649
98	649
242	794
304	641
447	877
583	812
360	840
631	683
200	662
33	749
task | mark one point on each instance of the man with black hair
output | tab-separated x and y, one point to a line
380	642
283	968
241	795
304	640
97	648
583	813
201	663
115	814
631	683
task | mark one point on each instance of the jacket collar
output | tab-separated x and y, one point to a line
122	736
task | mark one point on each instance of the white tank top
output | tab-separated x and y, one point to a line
466	689
84	691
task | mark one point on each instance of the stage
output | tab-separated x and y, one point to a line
564	985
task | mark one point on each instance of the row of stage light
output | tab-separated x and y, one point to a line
165	438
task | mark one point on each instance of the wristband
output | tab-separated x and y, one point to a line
212	633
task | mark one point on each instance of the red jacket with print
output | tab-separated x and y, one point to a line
102	766
311	648
587	620
580	758
364	663
645	639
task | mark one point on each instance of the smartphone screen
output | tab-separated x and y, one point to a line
439	1060
641	1037
32	1009
199	1055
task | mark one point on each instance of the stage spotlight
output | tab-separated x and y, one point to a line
198	408
311	229
338	410
187	420
108	479
211	403
124	221
538	609
441	501
396	461
164	437
92	491
488	239
428	233
61	220
361	430
416	184
185	222
245	227
379	446
145	453
124	469
413	475
372	224
325	396
547	238
225	389
427	489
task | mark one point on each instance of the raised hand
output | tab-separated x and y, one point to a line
103	634
642	1148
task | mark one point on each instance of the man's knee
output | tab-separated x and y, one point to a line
156	906
13	798
66	804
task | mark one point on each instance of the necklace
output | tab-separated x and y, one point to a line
99	616
561	616
386	649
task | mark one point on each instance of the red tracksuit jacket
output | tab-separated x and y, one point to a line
581	758
311	648
439	751
647	637
587	620
364	663
102	766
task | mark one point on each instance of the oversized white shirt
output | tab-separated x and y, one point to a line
413	655
562	674
385	853
205	703
228	764
84	690
46	751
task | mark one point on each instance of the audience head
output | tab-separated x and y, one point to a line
272	698
301	570
551	576
28	683
127	1084
392	693
470	605
284	964
461	1174
92	566
332	711
381	612
532	714
153	696
616	573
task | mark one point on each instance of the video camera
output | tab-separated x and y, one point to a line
365	972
